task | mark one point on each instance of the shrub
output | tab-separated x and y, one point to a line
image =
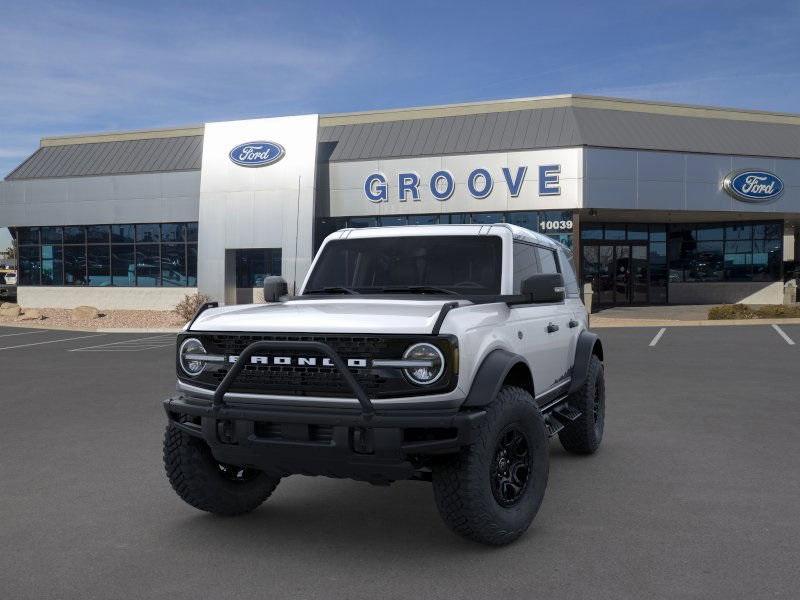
779	311
731	311
191	303
746	311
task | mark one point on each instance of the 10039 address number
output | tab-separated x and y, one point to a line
565	225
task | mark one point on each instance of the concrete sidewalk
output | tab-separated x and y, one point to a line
672	316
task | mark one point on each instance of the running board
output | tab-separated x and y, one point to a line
556	419
552	425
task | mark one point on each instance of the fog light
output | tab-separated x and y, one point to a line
191	357
431	364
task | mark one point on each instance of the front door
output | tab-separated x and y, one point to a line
617	271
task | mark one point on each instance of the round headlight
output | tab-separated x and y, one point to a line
188	355
431	363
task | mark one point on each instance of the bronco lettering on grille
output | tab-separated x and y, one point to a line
300	361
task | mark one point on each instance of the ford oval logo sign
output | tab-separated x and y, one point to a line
257	154
753	186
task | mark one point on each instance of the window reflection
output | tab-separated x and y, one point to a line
109	255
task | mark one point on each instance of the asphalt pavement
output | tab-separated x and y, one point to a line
694	493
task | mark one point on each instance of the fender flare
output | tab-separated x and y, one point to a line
588	343
490	376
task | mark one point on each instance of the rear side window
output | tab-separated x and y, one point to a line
547	260
526	263
570	280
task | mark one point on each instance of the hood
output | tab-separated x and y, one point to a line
337	315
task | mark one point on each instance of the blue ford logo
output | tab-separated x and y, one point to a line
257	154
753	186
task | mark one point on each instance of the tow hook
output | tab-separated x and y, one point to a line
226	431
362	440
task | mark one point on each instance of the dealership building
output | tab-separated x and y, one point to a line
661	203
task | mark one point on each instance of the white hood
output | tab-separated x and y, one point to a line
330	315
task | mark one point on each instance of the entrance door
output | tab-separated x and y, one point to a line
617	271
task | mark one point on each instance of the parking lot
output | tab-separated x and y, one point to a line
694	493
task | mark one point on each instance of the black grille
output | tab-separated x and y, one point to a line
320	380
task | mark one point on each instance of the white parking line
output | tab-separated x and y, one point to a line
129	345
23	333
658	337
83	337
782	333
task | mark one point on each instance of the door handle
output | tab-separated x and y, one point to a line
552	328
573	323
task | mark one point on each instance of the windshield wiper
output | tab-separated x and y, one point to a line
331	290
419	289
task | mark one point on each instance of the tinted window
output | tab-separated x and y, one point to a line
97	234
75	265
570	280
547	260
74	235
463	264
123	265
525	264
99	263
122	234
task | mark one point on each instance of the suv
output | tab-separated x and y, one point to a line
439	353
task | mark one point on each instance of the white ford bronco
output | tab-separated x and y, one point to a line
439	353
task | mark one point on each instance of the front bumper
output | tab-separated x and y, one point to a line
385	446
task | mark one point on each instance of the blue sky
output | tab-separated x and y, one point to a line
74	67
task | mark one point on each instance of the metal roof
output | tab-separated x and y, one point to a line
504	125
489	132
561	127
182	153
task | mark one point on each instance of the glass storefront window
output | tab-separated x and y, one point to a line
614	231
191	265
51	235
122	234
106	255
423	219
637	232
148	265
98	259
148	233
394	221
123	265
253	265
173	265
487	218
52	265
591	231
30	264
74	235
27	235
454	219
363	222
658	233
97	234
526	219
173	232
75	265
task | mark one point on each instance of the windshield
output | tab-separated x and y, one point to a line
468	264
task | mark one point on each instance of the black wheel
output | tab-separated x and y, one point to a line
209	485
583	435
491	491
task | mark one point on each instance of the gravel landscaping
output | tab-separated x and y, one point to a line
59	318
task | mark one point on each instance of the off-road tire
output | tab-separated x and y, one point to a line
201	481
584	434
462	483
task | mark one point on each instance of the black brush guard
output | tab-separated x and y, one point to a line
367	409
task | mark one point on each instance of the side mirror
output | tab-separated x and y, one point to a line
274	287
544	288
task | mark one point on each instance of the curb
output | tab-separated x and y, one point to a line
42	325
600	322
